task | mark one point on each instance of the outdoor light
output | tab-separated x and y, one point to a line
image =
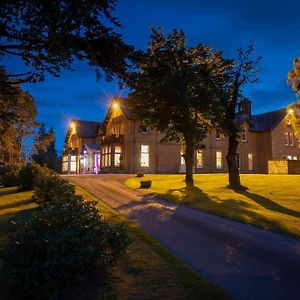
290	111
116	105
73	125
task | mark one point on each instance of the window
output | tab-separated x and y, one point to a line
144	156
199	159
144	129
238	160
182	160
116	126
295	157
286	138
219	163
291	139
105	156
250	161
117	155
219	136
289	157
73	164
244	135
65	164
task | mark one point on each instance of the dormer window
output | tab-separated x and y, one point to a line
144	130
219	136
244	135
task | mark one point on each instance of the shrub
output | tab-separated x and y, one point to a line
28	175
50	186
9	175
146	184
64	244
139	174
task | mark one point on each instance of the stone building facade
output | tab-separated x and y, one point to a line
81	152
128	148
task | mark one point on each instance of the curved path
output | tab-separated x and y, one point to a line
248	262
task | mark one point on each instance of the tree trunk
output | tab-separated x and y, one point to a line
189	160
233	171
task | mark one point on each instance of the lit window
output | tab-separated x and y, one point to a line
295	157
289	157
73	164
144	156
286	138
199	159
250	161
219	163
117	155
182	160
291	139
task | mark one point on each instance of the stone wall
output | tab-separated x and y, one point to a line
284	166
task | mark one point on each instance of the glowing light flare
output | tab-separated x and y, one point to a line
290	111
115	105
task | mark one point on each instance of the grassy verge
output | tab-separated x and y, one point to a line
146	271
272	201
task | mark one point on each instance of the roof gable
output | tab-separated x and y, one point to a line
84	129
266	121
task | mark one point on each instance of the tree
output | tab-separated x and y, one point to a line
293	110
45	153
171	91
18	124
294	76
50	35
236	74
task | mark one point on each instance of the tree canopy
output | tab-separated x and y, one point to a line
294	76
50	35
18	124
172	90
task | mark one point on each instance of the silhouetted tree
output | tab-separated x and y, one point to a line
293	110
171	91
50	35
237	73
45	153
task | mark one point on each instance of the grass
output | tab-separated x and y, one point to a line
146	271
272	202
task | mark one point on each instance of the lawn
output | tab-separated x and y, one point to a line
272	202
146	271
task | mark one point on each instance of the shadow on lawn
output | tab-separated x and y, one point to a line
8	191
16	204
234	209
269	204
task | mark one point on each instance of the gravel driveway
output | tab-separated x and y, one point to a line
248	262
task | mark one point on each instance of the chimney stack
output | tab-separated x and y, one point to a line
244	107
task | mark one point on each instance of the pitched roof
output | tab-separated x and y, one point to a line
266	121
87	129
84	129
123	103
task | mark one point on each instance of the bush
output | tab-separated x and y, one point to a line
49	186
28	174
64	244
146	184
9	175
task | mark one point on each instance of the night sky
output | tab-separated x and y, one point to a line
273	26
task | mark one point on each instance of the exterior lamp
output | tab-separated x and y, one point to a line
116	105
290	111
72	125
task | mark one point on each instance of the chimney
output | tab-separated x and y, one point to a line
244	107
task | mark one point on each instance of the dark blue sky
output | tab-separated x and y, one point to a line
273	26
